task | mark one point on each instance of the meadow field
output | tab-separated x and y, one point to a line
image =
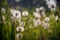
29	23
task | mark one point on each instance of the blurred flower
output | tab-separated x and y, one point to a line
56	17
45	25
52	7
3	10
3	17
43	14
36	22
22	24
51	4
42	8
16	13
47	19
20	29
19	36
37	9
12	10
25	13
36	15
42	11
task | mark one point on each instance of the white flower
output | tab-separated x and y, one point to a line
25	13
18	36
45	25
56	17
3	17
43	14
36	22
42	8
20	29
37	15
52	7
16	13
47	19
42	11
22	24
12	10
51	4
3	10
37	9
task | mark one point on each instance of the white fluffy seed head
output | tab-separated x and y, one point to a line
16	13
56	17
3	17
19	36
51	4
42	11
37	9
20	29
25	13
36	22
45	25
12	10
22	24
47	19
36	15
42	8
3	10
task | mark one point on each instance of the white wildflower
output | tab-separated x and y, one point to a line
36	22
3	10
37	9
20	29
47	19
22	24
43	14
36	15
51	4
25	13
16	13
56	17
42	11
52	7
12	10
18	36
42	8
3	17
45	25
